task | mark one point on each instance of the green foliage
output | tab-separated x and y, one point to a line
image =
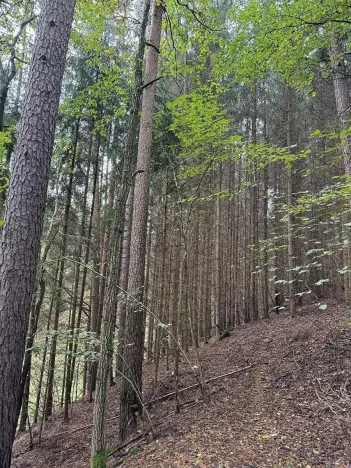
282	36
102	91
202	128
5	141
109	346
99	460
194	35
134	451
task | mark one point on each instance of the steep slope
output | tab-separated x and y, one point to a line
292	408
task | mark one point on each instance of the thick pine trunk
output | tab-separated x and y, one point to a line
24	215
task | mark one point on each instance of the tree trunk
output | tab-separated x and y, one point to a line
343	107
342	100
73	340
219	323
24	215
3	97
46	343
98	449
130	404
291	261
59	287
124	284
161	309
254	216
25	382
95	280
265	275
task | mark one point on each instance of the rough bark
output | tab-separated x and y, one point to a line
131	386
98	449
24	215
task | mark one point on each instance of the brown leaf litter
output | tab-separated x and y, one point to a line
291	409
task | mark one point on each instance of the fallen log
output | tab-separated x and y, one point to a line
212	379
155	400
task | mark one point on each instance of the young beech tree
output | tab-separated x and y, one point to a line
25	207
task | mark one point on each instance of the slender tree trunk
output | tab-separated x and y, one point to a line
175	291
219	323
84	276
98	449
196	285
95	280
43	363
152	299
124	284
24	215
343	107
160	311
265	275
130	405
73	336
248	262
254	216
265	278
4	90
343	102
58	308
25	382
291	262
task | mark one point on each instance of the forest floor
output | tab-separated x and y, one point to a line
292	408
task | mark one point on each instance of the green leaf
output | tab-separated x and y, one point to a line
322	281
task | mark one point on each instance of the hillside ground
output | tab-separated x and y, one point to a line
290	407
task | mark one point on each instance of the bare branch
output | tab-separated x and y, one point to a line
150	83
153	46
